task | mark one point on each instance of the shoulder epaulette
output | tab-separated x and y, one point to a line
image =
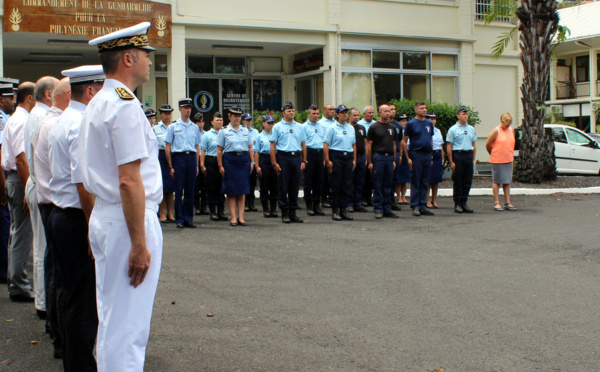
124	93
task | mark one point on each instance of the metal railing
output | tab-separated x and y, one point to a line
574	90
483	6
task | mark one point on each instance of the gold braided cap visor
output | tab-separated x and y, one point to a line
135	41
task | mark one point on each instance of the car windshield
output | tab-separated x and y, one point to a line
576	138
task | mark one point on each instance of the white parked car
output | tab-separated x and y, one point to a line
576	152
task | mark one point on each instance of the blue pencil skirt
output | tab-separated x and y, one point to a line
237	173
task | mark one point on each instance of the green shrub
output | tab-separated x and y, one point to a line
301	117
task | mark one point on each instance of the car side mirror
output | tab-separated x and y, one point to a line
594	145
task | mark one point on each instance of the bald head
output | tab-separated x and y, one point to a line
62	94
43	89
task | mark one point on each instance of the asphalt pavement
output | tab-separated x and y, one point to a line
491	291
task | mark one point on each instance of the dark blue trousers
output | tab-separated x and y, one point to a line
383	173
213	181
4	234
340	178
462	175
313	175
69	236
252	182
358	181
185	167
288	182
419	178
268	179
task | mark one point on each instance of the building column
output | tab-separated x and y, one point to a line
288	84
553	79
467	68
331	54
176	60
147	91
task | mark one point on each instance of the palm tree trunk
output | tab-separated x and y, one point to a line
538	25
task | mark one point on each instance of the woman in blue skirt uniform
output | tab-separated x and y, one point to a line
234	154
437	162
210	168
402	176
264	168
166	207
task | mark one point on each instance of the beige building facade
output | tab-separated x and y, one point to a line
356	52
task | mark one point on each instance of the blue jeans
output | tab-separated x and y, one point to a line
419	179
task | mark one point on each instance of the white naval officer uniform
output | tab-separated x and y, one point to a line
114	131
39	236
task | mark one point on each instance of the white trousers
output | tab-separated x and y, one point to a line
124	312
39	245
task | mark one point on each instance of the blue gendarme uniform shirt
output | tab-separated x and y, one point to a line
183	136
438	139
366	125
288	137
420	133
341	137
263	143
315	134
209	143
253	136
326	122
461	137
160	131
232	140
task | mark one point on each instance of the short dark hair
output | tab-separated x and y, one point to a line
391	104
77	90
110	60
353	109
419	104
314	106
25	89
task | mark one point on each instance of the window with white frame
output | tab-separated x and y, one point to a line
374	77
482	7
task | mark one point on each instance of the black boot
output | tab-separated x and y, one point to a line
309	207
221	212
395	206
273	204
213	215
335	215
285	216
466	208
317	209
345	216
294	217
203	210
265	205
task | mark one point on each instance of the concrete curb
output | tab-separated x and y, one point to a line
515	191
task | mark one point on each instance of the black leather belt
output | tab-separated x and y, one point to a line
436	151
184	153
314	150
265	155
462	151
292	153
210	157
341	152
240	153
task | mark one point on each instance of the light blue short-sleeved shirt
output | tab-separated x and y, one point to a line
365	124
288	137
340	137
209	142
315	134
183	136
232	140
253	136
263	143
160	130
326	123
438	139
461	137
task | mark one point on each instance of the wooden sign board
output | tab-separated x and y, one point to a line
88	18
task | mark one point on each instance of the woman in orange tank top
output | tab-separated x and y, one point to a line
501	145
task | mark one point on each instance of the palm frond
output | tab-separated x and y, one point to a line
502	43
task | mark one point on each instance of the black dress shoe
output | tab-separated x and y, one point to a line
41	314
360	209
345	216
364	203
390	215
247	209
242	224
252	208
335	216
214	217
350	210
273	214
396	208
458	208
180	225
189	224
466	208
22	297
426	212
294	217
170	220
